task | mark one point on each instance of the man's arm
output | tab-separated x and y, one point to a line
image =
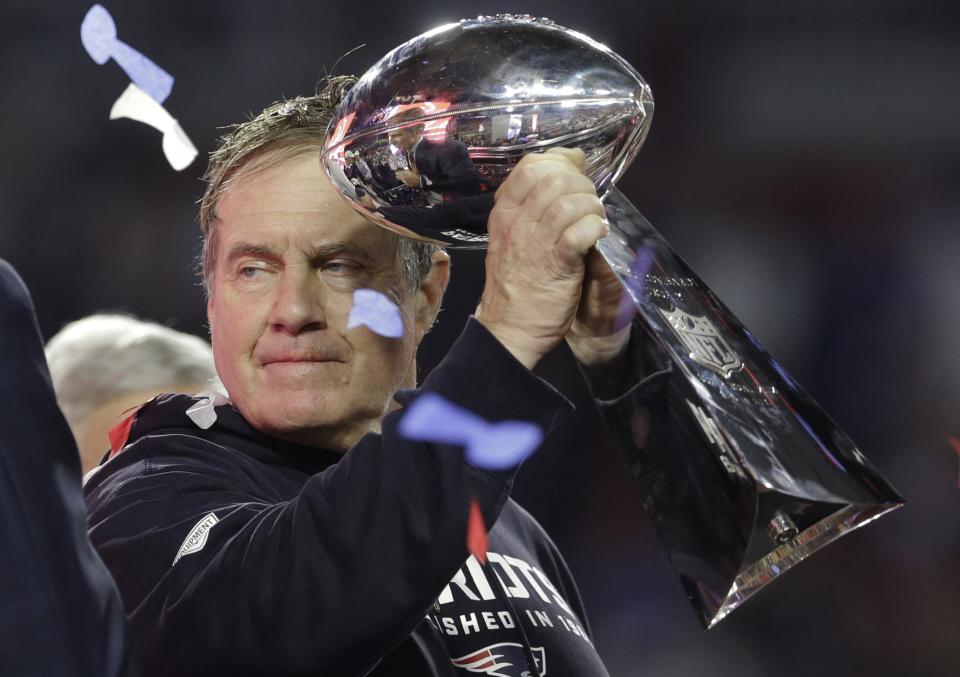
61	613
324	582
545	254
626	370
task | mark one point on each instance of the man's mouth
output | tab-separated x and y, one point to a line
295	358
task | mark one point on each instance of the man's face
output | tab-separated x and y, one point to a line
405	138
289	257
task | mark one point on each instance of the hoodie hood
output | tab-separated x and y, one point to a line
167	414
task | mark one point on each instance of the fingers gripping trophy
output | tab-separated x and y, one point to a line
758	477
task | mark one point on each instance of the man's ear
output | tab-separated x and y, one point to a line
430	295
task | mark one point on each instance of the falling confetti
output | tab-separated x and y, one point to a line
493	446
431	418
98	33
151	85
203	413
627	308
477	533
134	104
503	445
955	443
375	311
119	433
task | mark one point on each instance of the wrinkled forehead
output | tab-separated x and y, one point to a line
292	198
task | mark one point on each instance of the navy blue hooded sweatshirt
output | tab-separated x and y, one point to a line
240	554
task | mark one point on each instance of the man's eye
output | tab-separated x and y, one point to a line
250	272
340	266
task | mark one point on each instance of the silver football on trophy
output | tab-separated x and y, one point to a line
422	141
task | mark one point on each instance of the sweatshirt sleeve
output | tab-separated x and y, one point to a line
326	582
637	416
641	427
61	613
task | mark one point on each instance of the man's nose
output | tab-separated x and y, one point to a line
299	303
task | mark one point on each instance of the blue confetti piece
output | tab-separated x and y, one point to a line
641	264
492	446
634	287
98	33
503	445
377	312
431	418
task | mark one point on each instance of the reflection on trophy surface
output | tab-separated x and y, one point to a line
757	476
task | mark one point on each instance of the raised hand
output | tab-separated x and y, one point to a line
546	218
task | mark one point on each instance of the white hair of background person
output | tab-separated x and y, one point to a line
107	359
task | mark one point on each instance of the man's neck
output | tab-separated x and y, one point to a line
340	439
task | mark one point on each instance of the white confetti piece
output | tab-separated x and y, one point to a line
135	104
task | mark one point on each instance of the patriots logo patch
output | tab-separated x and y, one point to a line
503	660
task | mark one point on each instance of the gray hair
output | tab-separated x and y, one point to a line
102	357
283	130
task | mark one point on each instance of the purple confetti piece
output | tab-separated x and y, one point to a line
98	33
503	445
431	418
493	446
627	309
377	312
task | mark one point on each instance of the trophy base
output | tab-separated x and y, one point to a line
792	552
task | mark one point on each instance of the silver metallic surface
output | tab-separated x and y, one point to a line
751	475
750	442
427	135
782	528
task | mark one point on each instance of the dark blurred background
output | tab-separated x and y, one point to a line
803	158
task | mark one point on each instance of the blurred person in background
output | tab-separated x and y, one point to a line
105	364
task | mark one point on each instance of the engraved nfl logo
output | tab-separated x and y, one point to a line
704	343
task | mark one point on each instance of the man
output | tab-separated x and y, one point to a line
61	614
302	534
104	364
359	174
443	166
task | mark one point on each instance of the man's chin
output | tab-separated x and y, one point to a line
292	414
303	418
300	376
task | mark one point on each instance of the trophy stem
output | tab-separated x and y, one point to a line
757	476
